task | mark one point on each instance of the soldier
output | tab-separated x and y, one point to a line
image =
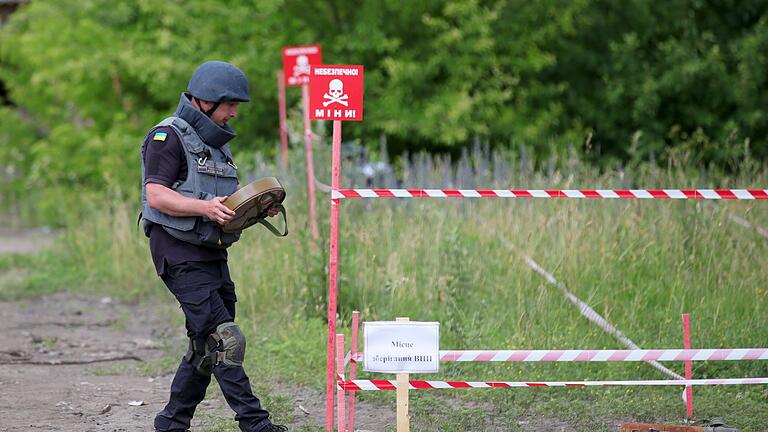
187	171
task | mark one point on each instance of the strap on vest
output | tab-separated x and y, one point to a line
272	228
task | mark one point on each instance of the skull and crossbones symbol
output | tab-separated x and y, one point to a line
302	66
335	94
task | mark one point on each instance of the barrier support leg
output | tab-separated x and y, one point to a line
688	366
403	420
353	369
340	409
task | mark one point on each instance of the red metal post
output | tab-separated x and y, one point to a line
339	391
688	366
310	164
353	369
333	270
283	119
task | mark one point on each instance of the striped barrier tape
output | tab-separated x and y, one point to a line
605	355
727	354
706	194
371	385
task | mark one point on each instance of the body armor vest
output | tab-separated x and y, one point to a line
211	172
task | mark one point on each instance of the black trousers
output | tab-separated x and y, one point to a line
206	294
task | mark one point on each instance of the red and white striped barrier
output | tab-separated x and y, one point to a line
728	354
371	385
705	194
605	355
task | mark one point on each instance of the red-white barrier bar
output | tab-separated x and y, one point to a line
706	194
370	385
605	355
728	354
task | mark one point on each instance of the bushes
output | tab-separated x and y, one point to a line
89	77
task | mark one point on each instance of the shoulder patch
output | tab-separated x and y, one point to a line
160	136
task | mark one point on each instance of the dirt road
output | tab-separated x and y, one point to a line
42	391
73	363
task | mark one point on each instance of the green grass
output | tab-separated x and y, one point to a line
640	264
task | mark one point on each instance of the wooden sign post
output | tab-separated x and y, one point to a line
403	419
402	347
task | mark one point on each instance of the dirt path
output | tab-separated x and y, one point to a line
42	391
70	362
40	394
24	240
53	348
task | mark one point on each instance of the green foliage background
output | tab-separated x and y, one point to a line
631	80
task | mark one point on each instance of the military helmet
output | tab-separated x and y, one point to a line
217	81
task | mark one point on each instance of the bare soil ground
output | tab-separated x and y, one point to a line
72	362
24	240
42	390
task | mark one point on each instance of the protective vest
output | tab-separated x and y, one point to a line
211	172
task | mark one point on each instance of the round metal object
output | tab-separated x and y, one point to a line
252	202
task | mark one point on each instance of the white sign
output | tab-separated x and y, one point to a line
401	347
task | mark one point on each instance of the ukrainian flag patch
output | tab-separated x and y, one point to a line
160	136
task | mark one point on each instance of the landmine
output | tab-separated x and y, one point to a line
252	203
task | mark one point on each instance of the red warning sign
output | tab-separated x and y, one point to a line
297	61
336	92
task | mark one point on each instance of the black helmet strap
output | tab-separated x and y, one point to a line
209	112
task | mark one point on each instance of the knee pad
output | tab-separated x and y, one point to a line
232	351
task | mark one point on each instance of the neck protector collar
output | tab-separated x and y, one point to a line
211	133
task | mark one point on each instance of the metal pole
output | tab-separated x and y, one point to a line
310	164
283	120
333	273
340	391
